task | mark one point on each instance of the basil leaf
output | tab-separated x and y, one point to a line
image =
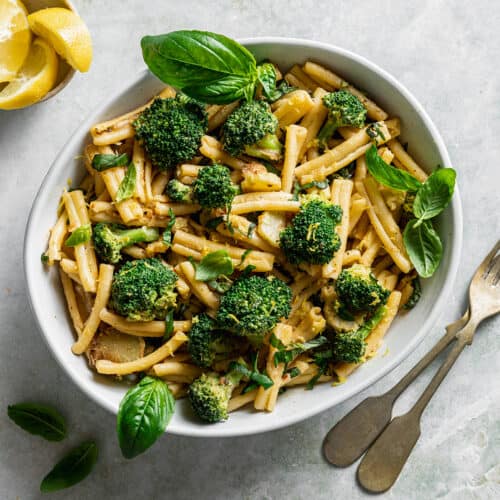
102	162
389	176
435	194
127	185
253	375
44	258
169	325
293	350
266	75
214	265
80	235
204	65
423	246
143	415
72	469
167	234
38	419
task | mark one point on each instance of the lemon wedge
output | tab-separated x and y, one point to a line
36	77
66	32
15	38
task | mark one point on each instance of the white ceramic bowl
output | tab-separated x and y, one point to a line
425	144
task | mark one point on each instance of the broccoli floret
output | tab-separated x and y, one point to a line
344	109
143	290
207	344
179	192
213	187
254	305
210	394
109	239
311	237
350	346
251	129
358	289
171	130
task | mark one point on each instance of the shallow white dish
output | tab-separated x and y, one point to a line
425	144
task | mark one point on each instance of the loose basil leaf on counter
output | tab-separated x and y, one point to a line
435	194
127	185
80	235
38	419
74	467
423	246
143	415
390	176
206	66
214	265
102	162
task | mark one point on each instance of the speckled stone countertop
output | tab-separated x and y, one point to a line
446	53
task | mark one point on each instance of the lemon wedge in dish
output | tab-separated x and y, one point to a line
15	38
66	32
36	77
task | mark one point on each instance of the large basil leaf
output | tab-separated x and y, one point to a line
390	176
101	162
127	185
39	419
206	66
214	265
435	194
143	415
74	467
423	246
80	235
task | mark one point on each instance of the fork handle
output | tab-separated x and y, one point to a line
383	462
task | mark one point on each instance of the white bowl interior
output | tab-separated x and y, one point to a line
425	145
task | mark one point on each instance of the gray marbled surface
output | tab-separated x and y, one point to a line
446	53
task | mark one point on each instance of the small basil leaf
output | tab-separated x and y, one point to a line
293	350
38	419
389	176
253	375
206	66
423	246
72	469
169	325
80	235
167	234
214	265
143	415
102	162
266	75
127	185
435	194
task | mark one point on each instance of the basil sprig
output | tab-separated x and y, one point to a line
80	235
101	162
206	66
127	185
213	265
74	467
253	375
38	419
286	354
143	415
421	240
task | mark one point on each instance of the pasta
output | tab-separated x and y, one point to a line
267	197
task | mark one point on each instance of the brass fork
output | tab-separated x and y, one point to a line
394	442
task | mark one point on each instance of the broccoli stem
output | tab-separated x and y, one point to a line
326	132
268	148
127	237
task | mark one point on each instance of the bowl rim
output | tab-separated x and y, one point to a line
430	320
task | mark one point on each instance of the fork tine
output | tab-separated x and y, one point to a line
485	266
493	275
